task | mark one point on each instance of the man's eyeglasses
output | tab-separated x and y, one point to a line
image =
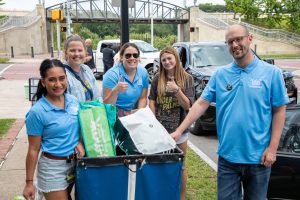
128	55
236	39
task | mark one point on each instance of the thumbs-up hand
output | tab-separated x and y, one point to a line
171	85
121	86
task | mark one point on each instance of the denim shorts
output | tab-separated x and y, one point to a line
52	174
184	137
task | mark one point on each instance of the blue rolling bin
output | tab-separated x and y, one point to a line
136	177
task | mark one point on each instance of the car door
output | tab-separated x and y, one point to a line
285	175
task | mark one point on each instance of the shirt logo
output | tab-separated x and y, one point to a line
255	83
229	87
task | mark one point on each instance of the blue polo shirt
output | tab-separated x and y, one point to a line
59	128
244	101
126	100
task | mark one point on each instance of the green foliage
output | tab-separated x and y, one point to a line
275	12
209	7
4	60
293	9
103	29
202	180
5	124
281	56
164	34
85	33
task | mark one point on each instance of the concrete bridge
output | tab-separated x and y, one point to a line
34	29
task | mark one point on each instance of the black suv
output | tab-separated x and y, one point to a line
201	60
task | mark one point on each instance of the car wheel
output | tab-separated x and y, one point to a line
196	128
151	73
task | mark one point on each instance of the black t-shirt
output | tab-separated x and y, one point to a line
168	111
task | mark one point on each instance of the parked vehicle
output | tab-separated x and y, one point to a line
285	174
201	60
148	53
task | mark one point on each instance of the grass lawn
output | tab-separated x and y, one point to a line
4	60
282	56
5	124
202	179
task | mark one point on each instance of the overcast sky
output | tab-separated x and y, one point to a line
30	4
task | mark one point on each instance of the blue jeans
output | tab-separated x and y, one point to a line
254	178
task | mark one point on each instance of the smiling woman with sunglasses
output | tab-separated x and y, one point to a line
126	84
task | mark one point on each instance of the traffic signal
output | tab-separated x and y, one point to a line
63	29
57	14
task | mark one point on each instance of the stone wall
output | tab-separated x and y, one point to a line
23	38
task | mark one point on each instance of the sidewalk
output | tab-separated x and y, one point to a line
13	105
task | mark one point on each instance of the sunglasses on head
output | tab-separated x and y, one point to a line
128	55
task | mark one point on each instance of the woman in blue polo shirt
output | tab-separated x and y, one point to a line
126	84
53	128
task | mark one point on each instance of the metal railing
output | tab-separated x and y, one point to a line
213	21
271	34
19	21
264	33
107	11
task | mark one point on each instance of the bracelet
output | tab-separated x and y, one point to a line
28	180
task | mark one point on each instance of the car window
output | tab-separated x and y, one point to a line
290	137
145	47
104	44
203	56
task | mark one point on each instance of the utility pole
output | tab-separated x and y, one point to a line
151	13
68	17
124	22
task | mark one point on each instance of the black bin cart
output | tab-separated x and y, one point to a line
134	177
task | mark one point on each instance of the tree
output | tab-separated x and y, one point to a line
209	7
292	8
273	11
234	5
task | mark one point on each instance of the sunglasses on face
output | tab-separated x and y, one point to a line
128	55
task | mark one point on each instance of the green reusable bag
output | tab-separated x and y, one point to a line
95	127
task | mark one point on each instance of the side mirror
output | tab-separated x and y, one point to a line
270	61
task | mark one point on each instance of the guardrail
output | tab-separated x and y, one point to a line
19	21
222	22
212	20
271	34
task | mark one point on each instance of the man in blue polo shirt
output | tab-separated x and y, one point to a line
250	98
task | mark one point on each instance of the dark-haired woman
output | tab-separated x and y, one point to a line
81	80
53	128
126	84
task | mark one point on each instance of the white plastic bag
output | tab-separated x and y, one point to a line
146	132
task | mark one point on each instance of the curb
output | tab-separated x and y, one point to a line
8	140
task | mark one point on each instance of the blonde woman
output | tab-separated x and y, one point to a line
171	95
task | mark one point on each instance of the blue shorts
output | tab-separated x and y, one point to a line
52	174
